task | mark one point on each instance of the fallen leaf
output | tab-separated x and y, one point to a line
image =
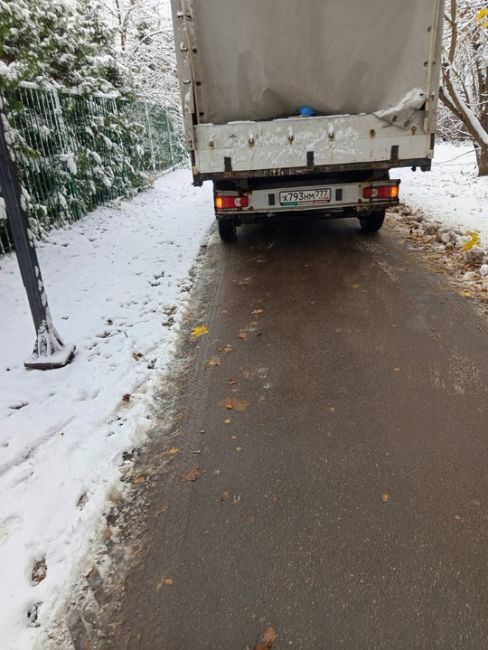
238	448
137	356
474	240
199	331
386	498
270	635
256	312
227	421
234	437
212	363
191	474
225	496
139	479
164	581
356	286
227	349
232	382
242	336
268	639
173	451
126	397
482	17
233	404
332	409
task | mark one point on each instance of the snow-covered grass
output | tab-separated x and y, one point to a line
117	283
452	193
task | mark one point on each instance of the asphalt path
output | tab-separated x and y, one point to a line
330	479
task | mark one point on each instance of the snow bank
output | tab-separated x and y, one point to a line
452	193
446	213
117	282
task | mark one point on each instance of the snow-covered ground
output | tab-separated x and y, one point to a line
117	283
452	193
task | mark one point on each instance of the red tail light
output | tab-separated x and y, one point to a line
381	192
226	202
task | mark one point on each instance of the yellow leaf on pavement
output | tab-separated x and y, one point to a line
199	331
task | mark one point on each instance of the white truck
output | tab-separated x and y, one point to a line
304	106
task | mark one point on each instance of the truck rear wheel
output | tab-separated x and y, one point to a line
373	221
227	230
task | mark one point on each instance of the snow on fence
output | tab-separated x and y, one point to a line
77	151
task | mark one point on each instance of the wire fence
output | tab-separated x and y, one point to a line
75	152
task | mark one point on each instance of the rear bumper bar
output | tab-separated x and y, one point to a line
341	199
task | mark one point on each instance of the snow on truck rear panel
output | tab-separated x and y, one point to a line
369	72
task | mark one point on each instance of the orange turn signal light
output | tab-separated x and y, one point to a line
381	192
229	202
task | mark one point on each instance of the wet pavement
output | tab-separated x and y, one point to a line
330	476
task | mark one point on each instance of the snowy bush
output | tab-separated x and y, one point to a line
82	137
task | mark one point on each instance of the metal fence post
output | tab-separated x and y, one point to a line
149	131
49	350
170	136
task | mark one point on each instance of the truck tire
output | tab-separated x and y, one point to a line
372	222
227	230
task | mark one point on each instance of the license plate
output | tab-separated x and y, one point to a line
296	198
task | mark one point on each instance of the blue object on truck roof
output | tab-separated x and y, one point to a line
306	111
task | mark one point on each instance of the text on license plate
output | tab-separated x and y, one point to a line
306	197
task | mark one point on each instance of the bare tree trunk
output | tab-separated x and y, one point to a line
465	87
482	158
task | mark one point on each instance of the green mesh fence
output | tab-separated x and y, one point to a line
75	152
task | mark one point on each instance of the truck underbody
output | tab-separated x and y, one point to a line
361	194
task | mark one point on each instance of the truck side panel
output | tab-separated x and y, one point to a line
258	60
370	70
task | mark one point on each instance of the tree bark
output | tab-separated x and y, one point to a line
482	158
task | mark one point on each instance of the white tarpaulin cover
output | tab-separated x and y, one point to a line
263	59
